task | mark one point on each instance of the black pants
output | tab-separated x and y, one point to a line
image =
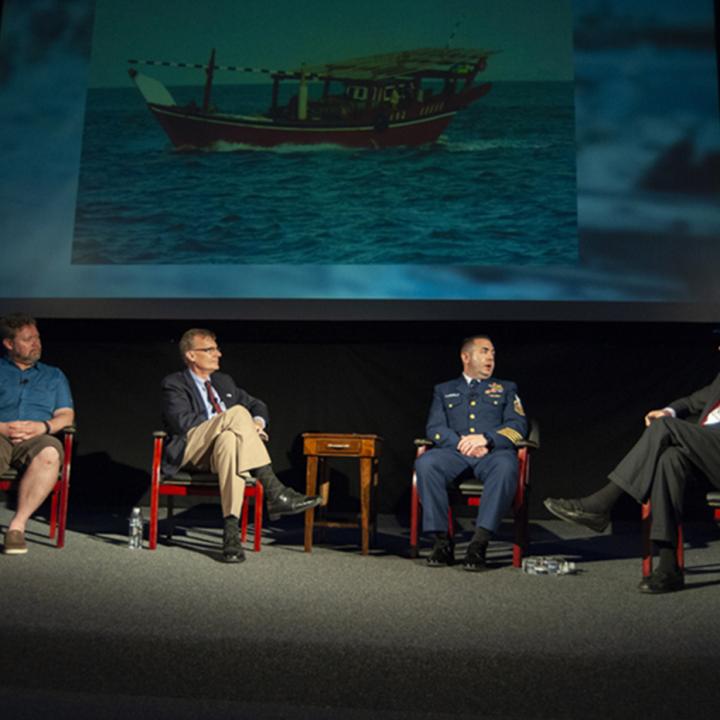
659	464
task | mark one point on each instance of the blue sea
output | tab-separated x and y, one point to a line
499	188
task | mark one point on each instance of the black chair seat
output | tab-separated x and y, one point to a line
183	477
713	498
471	487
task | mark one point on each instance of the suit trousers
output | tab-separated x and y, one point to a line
659	464
227	444
439	468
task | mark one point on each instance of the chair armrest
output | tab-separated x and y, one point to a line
69	430
533	439
159	434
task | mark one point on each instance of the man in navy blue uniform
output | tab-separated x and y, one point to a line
35	403
215	425
475	423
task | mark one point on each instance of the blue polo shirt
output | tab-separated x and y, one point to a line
32	394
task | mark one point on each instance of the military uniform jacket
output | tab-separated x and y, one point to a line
183	409
700	403
493	408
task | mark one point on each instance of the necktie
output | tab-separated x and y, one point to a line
211	397
474	384
706	417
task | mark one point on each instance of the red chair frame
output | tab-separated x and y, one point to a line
173	486
60	493
473	495
647	553
713	500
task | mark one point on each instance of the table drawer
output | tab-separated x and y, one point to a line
333	446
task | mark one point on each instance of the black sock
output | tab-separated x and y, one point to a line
667	556
272	487
603	500
232	522
481	535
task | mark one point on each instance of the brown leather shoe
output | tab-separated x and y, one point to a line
15	543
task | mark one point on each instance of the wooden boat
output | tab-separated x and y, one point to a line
390	100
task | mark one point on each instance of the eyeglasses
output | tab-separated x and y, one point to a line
208	350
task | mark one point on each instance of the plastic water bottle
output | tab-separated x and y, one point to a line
135	534
552	565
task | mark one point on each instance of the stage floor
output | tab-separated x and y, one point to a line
99	631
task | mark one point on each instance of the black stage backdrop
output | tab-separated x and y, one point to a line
588	385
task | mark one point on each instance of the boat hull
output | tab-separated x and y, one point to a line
192	129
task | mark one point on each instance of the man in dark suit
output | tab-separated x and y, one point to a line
475	423
672	448
215	425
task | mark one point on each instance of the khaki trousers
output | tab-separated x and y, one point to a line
229	445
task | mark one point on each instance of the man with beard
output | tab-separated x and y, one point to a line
35	404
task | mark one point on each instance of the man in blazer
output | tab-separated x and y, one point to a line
215	425
475	423
671	449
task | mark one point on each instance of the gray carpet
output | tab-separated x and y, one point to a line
99	631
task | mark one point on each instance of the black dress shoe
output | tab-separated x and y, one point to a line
662	582
475	557
289	502
442	554
571	511
232	547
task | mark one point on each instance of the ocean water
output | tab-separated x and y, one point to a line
498	188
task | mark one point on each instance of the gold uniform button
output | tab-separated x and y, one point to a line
473	403
450	405
472	429
472	417
437	436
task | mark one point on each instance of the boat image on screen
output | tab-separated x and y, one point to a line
401	99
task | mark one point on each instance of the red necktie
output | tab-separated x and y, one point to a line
211	397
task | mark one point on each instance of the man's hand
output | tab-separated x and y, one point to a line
21	430
473	446
260	426
655	414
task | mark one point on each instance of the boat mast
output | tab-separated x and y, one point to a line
302	95
209	70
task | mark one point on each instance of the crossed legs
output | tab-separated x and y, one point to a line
227	444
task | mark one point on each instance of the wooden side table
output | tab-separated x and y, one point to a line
317	447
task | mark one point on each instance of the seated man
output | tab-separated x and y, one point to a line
35	403
668	453
215	425
475	422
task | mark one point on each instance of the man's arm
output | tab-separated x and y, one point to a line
234	395
21	430
693	404
513	429
690	405
438	429
178	411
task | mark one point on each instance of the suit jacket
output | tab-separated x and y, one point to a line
183	409
700	403
493	409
